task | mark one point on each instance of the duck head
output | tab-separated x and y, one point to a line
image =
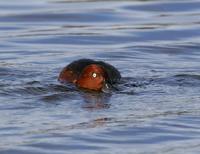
93	77
67	75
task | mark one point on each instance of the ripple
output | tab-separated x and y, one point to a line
59	17
183	80
171	7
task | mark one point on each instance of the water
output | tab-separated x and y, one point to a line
154	44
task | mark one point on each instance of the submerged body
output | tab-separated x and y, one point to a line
90	74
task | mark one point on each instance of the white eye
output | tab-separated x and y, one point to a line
94	75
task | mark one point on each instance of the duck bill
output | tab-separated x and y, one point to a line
106	88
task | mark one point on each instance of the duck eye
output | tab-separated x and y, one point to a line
94	75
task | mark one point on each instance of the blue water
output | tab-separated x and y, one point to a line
154	44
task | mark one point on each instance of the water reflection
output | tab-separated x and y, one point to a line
57	93
95	100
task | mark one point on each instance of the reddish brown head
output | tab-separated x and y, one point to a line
92	77
67	75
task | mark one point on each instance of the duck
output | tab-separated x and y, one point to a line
90	74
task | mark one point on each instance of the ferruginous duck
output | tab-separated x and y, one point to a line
90	74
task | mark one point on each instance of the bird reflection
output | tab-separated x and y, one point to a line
95	100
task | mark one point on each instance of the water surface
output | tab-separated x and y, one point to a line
154	44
